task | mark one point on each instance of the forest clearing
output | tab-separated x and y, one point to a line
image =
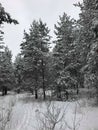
28	114
49	65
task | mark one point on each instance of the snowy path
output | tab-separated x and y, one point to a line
21	116
25	111
26	118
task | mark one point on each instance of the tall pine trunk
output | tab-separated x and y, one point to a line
19	83
97	93
36	94
4	90
44	94
43	81
58	93
77	91
36	86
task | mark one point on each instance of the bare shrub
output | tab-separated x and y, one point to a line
75	119
52	118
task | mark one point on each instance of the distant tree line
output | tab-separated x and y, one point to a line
69	68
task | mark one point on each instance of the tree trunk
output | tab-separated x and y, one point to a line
43	80
18	91
77	89
4	90
19	84
58	93
97	95
67	95
36	94
44	94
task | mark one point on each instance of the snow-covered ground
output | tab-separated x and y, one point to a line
28	114
6	104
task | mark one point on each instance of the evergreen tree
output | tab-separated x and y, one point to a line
35	49
63	54
88	38
5	18
44	47
18	71
7	79
6	69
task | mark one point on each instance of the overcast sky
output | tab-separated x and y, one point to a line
25	11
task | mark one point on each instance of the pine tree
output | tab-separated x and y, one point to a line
18	71
35	49
88	40
44	47
7	79
4	18
63	54
6	69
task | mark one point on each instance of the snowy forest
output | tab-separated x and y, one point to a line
52	84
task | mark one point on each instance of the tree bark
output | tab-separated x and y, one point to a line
58	93
44	94
36	94
4	90
67	95
77	89
43	81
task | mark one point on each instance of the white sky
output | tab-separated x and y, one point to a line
25	11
